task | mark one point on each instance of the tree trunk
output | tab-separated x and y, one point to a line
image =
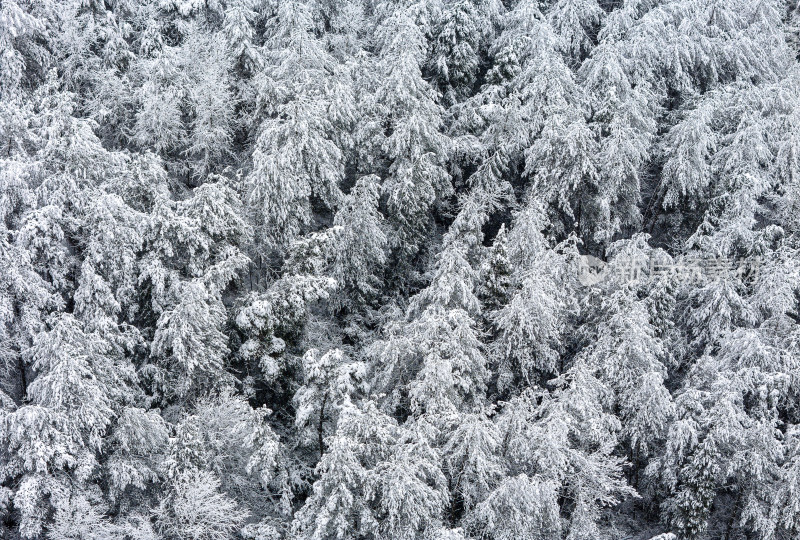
319	427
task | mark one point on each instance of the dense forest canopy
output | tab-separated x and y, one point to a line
399	269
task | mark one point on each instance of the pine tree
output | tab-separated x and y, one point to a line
496	273
520	507
623	116
339	505
575	21
138	446
408	489
456	53
436	351
330	382
565	441
628	353
414	145
788	506
240	16
471	458
361	245
530	325
18	30
296	156
189	343
72	402
693	502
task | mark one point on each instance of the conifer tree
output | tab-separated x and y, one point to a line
414	144
359	269
296	156
361	245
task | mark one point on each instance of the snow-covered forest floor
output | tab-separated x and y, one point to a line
399	269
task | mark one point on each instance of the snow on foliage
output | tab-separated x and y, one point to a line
399	269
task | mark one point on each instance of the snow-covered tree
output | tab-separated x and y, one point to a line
52	444
576	22
435	353
330	381
296	156
460	32
19	27
413	143
408	489
361	245
339	506
195	508
472	458
366	269
629	355
189	343
530	325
